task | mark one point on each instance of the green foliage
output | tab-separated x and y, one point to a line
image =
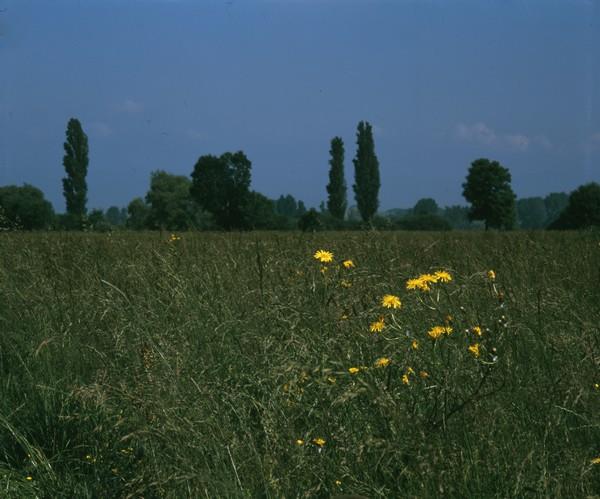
488	189
75	162
423	222
583	210
310	221
425	206
336	189
555	203
137	214
116	216
141	365
171	206
366	173
25	207
457	216
286	206
531	213
260	212
220	185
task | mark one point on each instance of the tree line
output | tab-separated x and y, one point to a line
217	195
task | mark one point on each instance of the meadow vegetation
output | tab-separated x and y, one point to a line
392	364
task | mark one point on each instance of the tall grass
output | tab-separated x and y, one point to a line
133	365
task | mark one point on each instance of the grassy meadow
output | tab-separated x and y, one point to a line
238	365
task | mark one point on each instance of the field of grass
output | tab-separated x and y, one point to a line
237	365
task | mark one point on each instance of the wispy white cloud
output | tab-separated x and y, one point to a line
99	129
131	106
542	141
480	133
518	141
195	134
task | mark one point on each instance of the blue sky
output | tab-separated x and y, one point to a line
158	83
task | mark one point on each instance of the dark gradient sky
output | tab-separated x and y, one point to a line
158	83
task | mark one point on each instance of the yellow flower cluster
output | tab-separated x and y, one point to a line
174	237
377	326
319	442
476	330
391	301
424	281
323	256
436	331
382	362
474	349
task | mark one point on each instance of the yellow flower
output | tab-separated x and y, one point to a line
436	331
405	379
354	370
410	370
382	362
344	317
476	330
415	345
319	441
422	282
427	278
377	326
349	264
323	256
596	460
391	301
474	349
338	483
597	386
443	276
491	275
423	374
174	237
299	442
29	478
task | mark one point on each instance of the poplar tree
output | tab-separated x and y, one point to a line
75	162
336	202
366	173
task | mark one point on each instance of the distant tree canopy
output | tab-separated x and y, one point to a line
336	188
492	199
116	216
555	203
260	212
25	207
366	173
531	213
457	216
137	214
170	203
426	206
221	186
583	209
75	162
287	206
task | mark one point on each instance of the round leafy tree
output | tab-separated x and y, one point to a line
492	199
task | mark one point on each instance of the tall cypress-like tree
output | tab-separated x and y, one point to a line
75	162
336	202
366	173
